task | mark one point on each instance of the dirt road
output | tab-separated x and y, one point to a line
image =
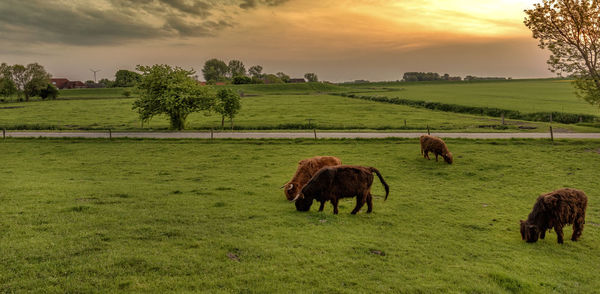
283	135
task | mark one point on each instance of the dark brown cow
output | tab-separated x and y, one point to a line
555	210
435	145
306	169
342	181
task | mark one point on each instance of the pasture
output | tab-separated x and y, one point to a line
523	95
282	107
190	216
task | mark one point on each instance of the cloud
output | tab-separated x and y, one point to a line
249	4
109	22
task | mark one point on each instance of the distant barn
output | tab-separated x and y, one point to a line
66	84
297	81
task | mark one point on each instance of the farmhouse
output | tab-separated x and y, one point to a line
296	81
66	84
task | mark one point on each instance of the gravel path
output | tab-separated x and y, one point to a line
282	135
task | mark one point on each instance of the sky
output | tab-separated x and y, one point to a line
339	40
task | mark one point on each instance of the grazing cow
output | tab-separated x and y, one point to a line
306	169
437	146
336	182
555	210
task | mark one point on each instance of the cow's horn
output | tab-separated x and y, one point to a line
296	198
291	187
282	186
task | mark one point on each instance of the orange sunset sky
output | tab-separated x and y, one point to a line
340	40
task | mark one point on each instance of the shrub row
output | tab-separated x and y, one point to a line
559	117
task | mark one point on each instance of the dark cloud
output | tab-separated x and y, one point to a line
249	4
55	21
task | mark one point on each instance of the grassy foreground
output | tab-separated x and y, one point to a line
167	215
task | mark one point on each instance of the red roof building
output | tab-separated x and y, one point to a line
59	83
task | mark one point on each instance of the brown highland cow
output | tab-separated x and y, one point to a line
306	169
436	146
342	181
555	210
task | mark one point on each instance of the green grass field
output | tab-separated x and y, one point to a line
192	216
522	95
327	112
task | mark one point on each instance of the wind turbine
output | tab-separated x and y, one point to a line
95	71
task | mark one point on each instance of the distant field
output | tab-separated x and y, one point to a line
305	106
259	112
195	216
522	95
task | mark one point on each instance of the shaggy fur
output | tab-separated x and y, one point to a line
436	146
343	181
306	169
556	210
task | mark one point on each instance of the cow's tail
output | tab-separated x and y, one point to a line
385	185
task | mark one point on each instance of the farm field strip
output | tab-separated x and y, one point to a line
523	95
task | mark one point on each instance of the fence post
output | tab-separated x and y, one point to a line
503	118
428	133
580	119
109	134
4	134
212	135
551	134
315	131
550	117
404	123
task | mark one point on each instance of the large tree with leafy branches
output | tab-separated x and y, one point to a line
570	29
170	91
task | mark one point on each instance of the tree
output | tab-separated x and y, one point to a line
215	70
107	83
7	87
272	79
126	78
570	29
49	92
227	105
236	69
285	78
311	77
256	71
170	91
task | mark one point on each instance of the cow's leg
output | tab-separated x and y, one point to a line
369	203
360	201
559	233
334	202
436	157
426	155
322	206
577	228
543	233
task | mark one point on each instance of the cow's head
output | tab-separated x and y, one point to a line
303	203
529	232
290	190
448	157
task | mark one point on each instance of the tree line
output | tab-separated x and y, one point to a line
25	82
216	70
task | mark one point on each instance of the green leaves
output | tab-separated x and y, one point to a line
170	91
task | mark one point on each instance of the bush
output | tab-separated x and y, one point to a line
241	80
127	93
49	92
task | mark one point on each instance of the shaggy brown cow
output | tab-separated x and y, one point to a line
555	210
336	182
437	146
306	169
